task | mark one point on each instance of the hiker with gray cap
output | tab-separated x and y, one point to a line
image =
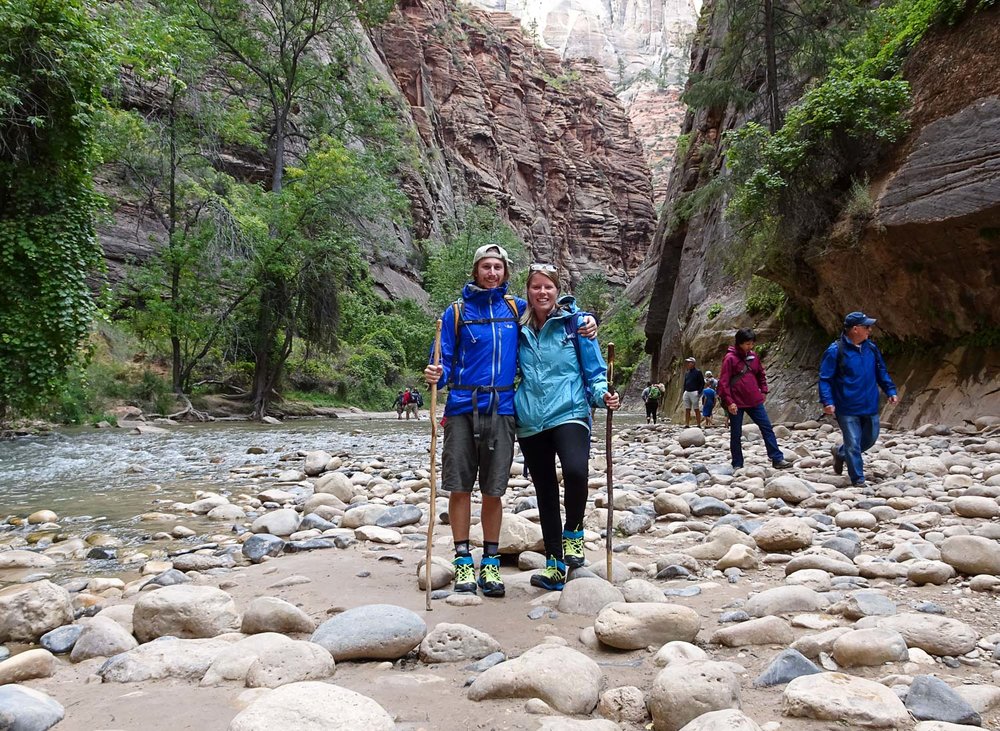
479	340
850	375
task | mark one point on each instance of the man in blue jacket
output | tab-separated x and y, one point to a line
479	339
850	375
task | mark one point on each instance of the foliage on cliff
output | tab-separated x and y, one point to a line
789	185
54	59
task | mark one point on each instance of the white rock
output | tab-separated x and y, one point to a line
541	672
336	483
588	595
101	637
625	703
678	652
728	719
682	692
282	522
692	437
517	534
185	611
783	534
785	600
312	706
634	626
316	462
17	559
972	554
456	642
269	660
167	657
270	614
769	630
932	633
855	702
869	647
27	665
377	535
28	611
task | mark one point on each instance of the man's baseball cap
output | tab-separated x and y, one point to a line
858	318
491	250
689	360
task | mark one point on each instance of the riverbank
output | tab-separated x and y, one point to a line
867	594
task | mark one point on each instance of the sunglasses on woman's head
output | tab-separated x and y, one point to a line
542	268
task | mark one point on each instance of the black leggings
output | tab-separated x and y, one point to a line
572	443
651	406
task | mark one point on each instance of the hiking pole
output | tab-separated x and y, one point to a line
607	458
432	515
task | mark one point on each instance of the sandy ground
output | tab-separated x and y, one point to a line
433	696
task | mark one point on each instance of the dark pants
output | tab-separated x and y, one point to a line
758	415
571	442
651	407
860	433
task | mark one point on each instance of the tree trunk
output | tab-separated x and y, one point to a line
773	113
175	267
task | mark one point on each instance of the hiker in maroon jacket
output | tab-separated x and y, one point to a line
742	388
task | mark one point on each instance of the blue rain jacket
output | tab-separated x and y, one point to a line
854	389
552	390
485	353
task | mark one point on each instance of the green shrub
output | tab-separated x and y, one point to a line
622	329
764	297
714	310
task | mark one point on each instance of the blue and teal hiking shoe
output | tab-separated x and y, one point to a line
572	541
465	575
552	577
490	580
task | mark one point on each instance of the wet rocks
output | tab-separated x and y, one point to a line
541	672
184	611
373	631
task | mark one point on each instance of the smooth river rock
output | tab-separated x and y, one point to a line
682	693
449	642
634	626
541	672
852	701
26	709
312	706
270	614
184	611
373	631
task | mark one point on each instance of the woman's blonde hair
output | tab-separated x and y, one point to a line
545	270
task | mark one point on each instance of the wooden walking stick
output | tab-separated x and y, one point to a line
432	515
607	458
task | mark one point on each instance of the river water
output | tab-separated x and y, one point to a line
106	477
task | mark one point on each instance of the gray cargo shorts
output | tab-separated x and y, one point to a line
462	458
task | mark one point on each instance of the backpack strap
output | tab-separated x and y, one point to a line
570	327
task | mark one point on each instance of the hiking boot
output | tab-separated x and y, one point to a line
465	575
781	464
552	577
838	461
572	543
490	580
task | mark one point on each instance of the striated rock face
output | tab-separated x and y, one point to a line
642	47
925	264
548	139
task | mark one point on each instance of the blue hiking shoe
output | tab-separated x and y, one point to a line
465	575
490	580
572	543
552	577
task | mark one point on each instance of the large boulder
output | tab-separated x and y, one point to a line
374	631
184	611
683	692
972	555
281	522
28	611
270	614
634	626
167	657
541	672
312	706
933	634
854	702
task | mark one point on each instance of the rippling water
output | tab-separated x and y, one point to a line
112	475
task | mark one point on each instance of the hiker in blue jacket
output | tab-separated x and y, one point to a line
850	374
478	364
562	377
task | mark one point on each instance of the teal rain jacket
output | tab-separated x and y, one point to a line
552	390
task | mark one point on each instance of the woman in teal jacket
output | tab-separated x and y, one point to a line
562	377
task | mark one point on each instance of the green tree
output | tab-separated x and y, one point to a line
594	294
449	266
292	64
165	143
54	59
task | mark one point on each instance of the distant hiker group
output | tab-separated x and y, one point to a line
409	402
